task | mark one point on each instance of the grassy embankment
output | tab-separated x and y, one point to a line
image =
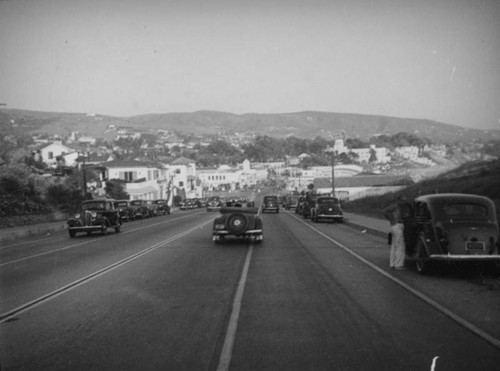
480	178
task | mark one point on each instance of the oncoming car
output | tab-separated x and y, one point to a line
214	203
451	228
95	216
241	222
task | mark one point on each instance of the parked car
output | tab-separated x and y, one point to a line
214	203
152	208
203	202
187	204
300	205
238	221
307	205
141	209
162	207
451	228
270	203
127	212
327	208
291	202
95	216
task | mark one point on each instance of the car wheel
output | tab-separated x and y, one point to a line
237	223
118	229
72	233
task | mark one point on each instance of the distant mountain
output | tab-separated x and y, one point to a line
307	124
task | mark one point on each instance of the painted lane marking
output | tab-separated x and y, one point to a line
461	321
227	348
64	289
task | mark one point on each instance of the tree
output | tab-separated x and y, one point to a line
63	198
114	189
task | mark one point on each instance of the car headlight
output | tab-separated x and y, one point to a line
77	216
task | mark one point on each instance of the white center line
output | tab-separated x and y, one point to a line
227	348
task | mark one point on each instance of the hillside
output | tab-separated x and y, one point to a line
300	124
480	178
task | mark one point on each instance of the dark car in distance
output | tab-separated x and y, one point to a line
270	204
141	209
240	222
162	207
291	202
451	228
127	212
95	216
214	203
327	208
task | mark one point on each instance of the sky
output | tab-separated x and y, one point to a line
429	59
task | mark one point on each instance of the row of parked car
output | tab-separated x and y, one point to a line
140	209
317	207
101	214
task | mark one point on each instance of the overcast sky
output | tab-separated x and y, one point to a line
433	59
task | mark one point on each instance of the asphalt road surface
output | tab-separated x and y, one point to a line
161	295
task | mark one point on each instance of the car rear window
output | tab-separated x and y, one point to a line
464	210
327	200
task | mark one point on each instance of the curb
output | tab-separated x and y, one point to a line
362	228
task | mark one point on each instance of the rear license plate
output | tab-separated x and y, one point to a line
474	246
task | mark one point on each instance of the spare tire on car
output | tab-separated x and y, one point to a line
237	223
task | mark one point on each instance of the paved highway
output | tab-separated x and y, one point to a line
161	295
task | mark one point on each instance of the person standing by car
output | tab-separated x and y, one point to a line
397	255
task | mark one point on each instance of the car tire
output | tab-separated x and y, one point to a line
118	229
237	223
72	233
104	229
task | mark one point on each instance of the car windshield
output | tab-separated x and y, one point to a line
463	210
94	206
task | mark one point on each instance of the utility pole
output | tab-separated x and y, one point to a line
330	151
84	173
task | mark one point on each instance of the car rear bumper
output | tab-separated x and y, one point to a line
255	234
250	232
450	258
328	216
270	209
85	228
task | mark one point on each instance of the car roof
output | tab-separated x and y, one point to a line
436	197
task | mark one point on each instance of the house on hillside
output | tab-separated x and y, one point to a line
53	152
359	186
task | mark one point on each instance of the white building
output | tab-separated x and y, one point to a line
409	153
141	179
52	151
364	154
